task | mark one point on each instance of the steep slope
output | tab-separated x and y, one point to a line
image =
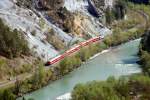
87	17
73	5
145	53
146	41
27	21
46	23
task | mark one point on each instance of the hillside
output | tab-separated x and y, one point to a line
70	21
34	31
145	53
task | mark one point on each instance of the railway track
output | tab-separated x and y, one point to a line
73	50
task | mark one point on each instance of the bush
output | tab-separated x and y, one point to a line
55	40
33	32
12	43
112	89
7	95
39	77
119	37
118	12
74	61
65	65
145	53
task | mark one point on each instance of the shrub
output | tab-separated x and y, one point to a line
12	43
33	32
122	89
7	95
65	65
55	40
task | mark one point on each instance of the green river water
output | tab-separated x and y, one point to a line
115	62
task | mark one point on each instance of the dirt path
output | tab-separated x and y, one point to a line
13	81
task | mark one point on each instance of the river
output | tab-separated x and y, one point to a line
116	62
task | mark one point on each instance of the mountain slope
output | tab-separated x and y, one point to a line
42	27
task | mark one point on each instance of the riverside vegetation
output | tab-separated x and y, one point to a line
145	53
135	87
41	76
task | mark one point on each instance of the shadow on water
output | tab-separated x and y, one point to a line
130	61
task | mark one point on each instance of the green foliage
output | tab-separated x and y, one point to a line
42	23
7	95
144	46
119	37
55	40
4	69
8	71
41	71
84	54
65	64
110	16
17	87
23	98
74	61
39	77
33	32
124	30
145	53
69	63
112	89
12	43
30	99
118	12
120	9
141	7
145	59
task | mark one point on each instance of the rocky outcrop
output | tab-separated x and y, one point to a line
103	4
24	3
146	41
70	21
54	4
61	17
49	4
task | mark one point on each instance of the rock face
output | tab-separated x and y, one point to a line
46	23
25	3
50	4
103	4
35	28
79	17
146	41
54	4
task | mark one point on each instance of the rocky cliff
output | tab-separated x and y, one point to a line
146	41
52	25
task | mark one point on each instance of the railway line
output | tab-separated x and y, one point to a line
73	50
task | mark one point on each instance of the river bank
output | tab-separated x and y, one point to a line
74	62
57	75
98	68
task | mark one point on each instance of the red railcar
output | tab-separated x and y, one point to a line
72	50
55	60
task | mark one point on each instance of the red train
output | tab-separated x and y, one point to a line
72	50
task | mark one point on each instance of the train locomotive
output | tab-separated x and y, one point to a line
73	50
